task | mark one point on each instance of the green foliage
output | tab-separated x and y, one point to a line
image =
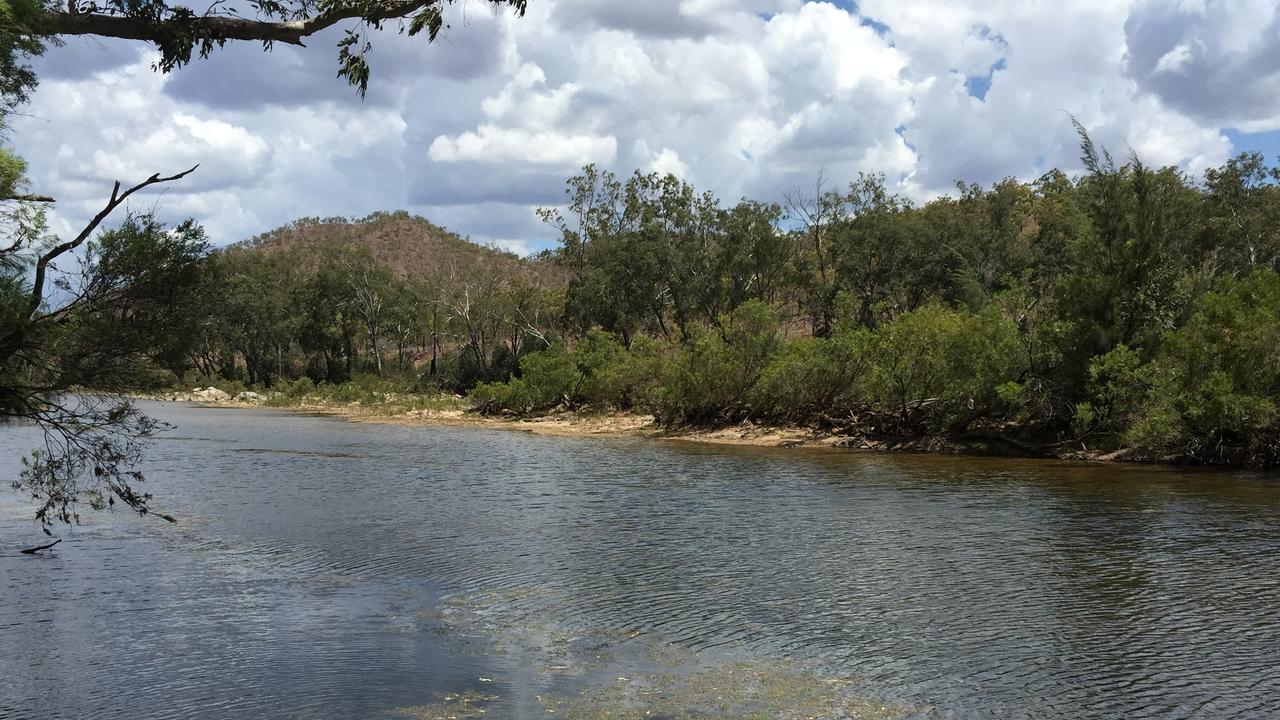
21	39
13	173
133	310
943	368
547	379
1118	385
814	378
296	389
361	389
651	255
597	373
1217	379
711	378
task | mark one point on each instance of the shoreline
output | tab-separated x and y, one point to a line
622	425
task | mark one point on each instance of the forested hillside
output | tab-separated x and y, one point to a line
390	294
1128	307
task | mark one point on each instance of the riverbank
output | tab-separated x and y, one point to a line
455	411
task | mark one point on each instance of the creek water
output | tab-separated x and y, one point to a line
328	569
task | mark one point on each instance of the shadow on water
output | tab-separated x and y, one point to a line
333	570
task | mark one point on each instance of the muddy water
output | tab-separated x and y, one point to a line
324	569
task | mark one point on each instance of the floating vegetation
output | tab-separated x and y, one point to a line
454	706
513	624
621	674
733	690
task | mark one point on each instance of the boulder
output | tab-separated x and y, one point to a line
210	394
249	397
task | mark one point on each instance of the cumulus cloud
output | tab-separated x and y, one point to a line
1214	60
668	162
528	123
742	97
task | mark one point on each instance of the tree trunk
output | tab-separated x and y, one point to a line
377	354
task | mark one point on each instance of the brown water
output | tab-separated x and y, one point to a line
324	569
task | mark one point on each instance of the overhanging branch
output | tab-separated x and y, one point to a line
28	198
117	199
218	27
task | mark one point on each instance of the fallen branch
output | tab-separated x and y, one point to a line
34	550
993	436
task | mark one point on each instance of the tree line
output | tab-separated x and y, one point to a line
1130	307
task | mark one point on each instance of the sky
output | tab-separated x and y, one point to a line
747	98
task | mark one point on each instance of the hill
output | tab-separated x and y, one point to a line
411	246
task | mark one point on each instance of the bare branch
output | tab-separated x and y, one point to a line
117	198
38	548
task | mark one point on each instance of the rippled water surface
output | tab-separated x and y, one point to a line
325	569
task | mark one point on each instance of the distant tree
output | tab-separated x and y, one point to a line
1241	231
372	288
257	316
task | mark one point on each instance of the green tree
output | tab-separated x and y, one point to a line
1241	228
258	318
21	38
1217	379
70	340
712	377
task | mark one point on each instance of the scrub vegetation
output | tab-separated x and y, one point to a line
1129	308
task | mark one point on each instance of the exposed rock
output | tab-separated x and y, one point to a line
249	397
212	394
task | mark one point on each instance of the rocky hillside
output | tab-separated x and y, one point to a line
412	246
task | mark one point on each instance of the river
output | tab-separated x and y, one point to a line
329	569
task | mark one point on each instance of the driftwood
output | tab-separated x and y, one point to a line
993	436
34	550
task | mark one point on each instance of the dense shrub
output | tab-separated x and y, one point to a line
941	368
1217	378
547	378
1118	384
597	373
814	378
711	378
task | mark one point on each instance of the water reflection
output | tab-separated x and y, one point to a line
315	558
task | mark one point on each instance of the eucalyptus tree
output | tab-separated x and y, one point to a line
754	255
816	212
72	340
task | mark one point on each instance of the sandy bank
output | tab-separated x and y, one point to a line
629	425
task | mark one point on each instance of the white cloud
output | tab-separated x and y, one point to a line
1176	60
497	145
1212	60
668	162
742	97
